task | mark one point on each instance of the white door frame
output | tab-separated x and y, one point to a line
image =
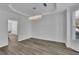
71	42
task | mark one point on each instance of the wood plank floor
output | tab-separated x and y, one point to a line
37	47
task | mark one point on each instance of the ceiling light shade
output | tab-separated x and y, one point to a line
36	17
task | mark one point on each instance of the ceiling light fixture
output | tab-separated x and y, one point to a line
35	17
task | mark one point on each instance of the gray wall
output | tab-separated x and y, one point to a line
4	16
51	27
24	30
3	28
23	26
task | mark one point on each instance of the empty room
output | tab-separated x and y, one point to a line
39	29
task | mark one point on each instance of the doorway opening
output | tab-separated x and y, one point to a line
12	26
75	25
12	32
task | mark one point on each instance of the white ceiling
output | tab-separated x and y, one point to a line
27	8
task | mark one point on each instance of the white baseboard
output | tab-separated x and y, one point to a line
24	38
47	39
73	48
3	44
